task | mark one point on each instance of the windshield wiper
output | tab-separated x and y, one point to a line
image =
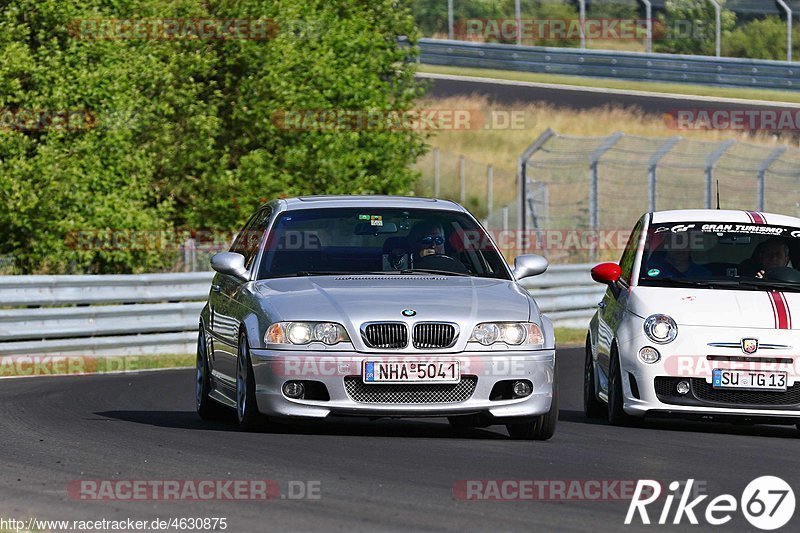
332	273
432	271
683	282
750	284
770	284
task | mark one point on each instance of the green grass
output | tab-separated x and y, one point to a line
570	337
651	86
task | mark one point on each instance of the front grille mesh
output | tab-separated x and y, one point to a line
407	393
386	335
703	391
434	335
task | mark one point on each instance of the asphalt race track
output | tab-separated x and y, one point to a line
579	98
380	475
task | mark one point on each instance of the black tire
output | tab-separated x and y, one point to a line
543	427
207	407
592	406
246	407
616	414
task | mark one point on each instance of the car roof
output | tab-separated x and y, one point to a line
723	215
371	201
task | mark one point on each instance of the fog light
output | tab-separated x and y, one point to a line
682	387
649	355
293	389
522	389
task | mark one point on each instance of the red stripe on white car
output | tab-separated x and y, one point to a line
756	217
780	308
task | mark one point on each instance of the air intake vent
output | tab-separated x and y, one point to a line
410	392
385	335
434	335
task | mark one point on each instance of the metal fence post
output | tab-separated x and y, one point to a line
648	35
652	185
762	172
462	178
582	4
505	218
718	17
788	29
489	190
522	187
594	160
518	17
436	173
450	19
711	162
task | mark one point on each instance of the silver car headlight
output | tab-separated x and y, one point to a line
513	333
660	328
304	332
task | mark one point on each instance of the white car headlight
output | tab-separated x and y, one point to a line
304	332
513	333
660	328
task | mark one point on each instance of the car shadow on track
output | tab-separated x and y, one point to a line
677	425
344	426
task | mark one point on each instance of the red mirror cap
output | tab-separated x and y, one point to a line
606	273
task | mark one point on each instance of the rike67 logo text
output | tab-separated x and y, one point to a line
767	502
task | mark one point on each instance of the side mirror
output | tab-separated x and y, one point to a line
529	265
607	273
229	263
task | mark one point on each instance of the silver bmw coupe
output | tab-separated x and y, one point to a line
375	306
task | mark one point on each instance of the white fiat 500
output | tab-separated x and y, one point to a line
701	319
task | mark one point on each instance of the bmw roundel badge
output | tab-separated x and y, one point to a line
408	312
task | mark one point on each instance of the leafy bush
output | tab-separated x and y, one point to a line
613	9
760	39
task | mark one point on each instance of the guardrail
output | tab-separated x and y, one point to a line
637	66
158	313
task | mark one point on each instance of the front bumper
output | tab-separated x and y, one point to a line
272	368
650	389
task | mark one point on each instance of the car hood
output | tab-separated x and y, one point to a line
358	299
719	307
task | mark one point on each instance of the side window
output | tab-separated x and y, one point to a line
629	255
248	241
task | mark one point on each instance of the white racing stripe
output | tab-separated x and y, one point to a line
603	90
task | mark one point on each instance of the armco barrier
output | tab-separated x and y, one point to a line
637	66
158	313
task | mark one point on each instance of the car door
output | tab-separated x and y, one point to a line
226	312
613	306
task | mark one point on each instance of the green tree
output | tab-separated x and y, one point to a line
689	27
181	132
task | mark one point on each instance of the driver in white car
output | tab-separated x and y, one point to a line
773	253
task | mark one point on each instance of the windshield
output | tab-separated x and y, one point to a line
379	240
722	255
